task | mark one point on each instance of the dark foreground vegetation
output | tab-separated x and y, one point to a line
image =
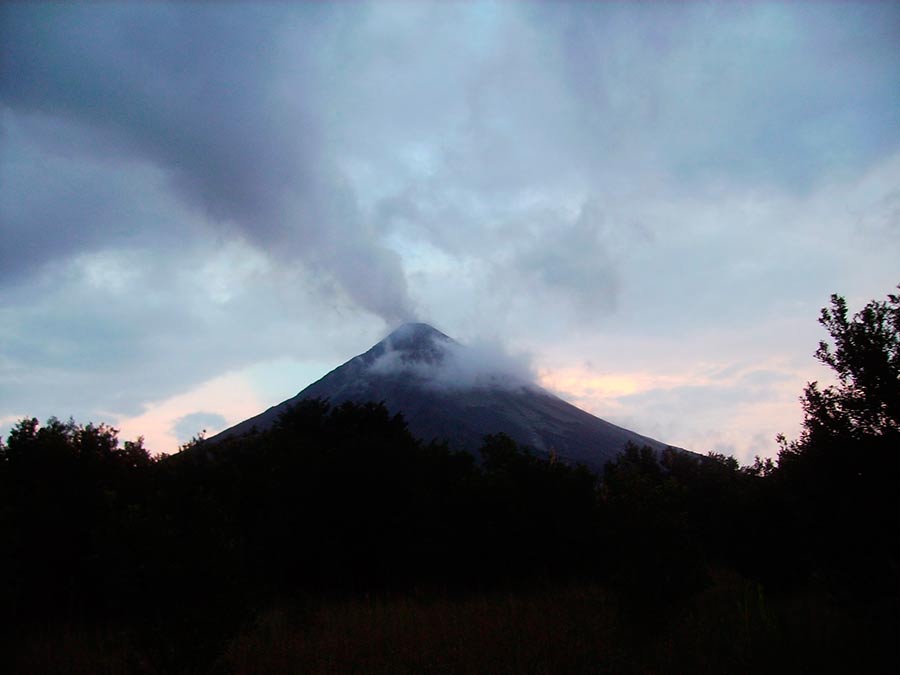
336	542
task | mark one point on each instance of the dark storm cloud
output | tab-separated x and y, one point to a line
206	94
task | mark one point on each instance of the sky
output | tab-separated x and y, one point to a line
206	207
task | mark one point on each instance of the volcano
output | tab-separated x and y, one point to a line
443	395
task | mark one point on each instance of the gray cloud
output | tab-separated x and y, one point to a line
189	89
748	387
302	146
577	258
109	332
61	201
180	85
770	93
198	422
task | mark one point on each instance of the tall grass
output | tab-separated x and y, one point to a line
569	629
733	627
75	649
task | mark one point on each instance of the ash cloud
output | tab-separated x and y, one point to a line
218	99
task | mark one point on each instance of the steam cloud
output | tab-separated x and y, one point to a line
482	364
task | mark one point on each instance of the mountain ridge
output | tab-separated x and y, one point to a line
427	376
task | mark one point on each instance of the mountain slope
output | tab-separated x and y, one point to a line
444	395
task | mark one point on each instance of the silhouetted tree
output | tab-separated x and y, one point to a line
865	357
837	481
71	502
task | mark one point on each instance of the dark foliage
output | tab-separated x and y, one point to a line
330	501
69	515
836	486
